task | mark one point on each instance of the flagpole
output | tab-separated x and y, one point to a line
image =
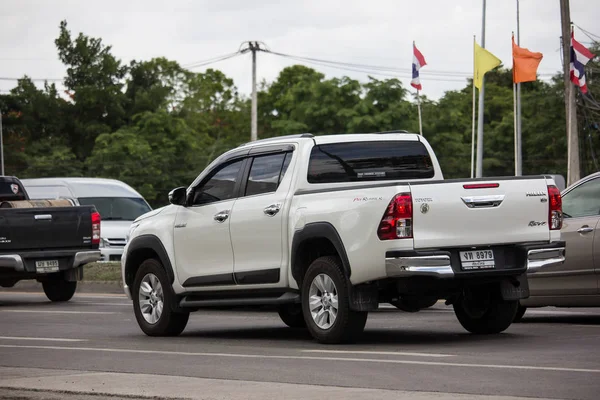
473	122
479	171
518	135
419	108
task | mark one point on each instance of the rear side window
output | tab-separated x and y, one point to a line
369	161
266	173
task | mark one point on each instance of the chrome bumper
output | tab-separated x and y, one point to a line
12	261
538	259
15	261
438	266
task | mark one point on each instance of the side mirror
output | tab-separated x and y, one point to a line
178	196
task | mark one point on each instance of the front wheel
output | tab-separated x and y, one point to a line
153	302
326	303
482	311
59	290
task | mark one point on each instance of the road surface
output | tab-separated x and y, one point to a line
92	344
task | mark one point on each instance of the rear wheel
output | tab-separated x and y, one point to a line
326	303
153	302
58	289
291	315
482	310
520	312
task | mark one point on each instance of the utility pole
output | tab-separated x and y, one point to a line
254	47
1	147
479	169
573	171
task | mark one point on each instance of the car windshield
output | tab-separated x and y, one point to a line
117	208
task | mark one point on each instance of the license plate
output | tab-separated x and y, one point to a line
46	266
477	259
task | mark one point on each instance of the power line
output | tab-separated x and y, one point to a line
368	67
212	60
588	33
355	69
4	78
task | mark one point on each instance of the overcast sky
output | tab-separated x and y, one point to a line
374	32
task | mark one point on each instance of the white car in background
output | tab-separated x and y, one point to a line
118	204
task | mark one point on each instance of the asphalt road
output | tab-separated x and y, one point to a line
553	353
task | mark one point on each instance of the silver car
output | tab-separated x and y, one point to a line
576	282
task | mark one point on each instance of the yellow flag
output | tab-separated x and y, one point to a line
484	61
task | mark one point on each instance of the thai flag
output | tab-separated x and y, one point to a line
418	62
580	56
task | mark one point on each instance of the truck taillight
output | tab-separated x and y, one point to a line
95	228
555	216
397	220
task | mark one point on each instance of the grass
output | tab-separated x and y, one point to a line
102	272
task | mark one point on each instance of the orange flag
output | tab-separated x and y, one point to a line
525	63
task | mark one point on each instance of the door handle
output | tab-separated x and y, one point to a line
222	216
43	217
272	209
483	201
585	229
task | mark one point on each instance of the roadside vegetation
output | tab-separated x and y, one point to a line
155	125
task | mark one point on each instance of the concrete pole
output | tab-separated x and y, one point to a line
573	169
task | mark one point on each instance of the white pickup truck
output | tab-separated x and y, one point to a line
326	228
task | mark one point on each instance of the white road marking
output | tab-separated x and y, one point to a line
310	358
77	295
57	311
557	312
103	304
45	339
384	353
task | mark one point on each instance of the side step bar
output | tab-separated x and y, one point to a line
192	301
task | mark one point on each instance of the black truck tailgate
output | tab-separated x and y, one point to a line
47	228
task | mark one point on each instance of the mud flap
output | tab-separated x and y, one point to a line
363	297
74	275
516	288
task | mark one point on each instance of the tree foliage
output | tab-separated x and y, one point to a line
155	125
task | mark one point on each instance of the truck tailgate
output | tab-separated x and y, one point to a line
467	213
45	228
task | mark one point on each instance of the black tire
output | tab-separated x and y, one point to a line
520	312
348	324
416	305
169	323
292	316
58	289
482	311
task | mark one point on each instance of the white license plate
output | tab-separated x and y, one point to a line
46	266
477	259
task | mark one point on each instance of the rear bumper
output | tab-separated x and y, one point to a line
113	254
67	259
427	265
541	258
515	260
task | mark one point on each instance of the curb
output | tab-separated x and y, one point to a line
112	287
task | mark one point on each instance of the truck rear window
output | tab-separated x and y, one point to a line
11	191
369	161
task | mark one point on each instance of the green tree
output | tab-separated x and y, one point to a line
95	83
156	154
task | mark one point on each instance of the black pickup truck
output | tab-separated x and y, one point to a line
50	244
